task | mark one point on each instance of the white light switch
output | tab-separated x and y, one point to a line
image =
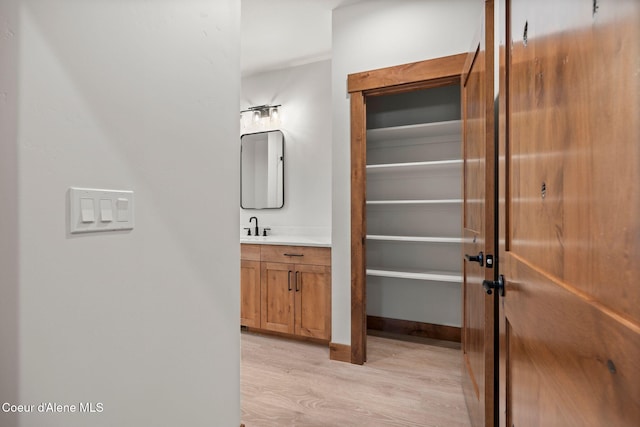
122	205
92	210
87	210
106	210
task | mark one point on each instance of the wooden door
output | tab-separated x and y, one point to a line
250	293
478	227
570	209
277	284
313	301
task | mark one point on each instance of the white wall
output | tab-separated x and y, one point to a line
305	120
9	340
369	35
140	96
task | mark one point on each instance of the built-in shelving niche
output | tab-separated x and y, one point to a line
414	172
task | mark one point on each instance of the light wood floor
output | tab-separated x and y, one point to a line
292	383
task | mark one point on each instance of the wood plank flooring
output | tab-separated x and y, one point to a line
292	383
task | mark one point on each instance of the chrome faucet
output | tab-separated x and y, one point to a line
257	229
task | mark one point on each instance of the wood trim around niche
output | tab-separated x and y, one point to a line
384	81
358	229
414	329
440	71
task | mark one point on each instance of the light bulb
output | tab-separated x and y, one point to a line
256	116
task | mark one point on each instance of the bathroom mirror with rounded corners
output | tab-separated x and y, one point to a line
262	170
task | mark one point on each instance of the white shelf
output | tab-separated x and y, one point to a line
433	276
426	130
414	202
414	239
413	166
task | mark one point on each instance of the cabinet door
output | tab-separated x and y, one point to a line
250	293
313	301
277	284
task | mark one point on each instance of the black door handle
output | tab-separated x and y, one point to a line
490	285
476	258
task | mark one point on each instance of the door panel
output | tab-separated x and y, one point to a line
478	227
277	297
527	390
575	353
313	302
569	208
250	293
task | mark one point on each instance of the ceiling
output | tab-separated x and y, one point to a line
283	33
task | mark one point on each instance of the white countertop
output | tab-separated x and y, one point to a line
293	240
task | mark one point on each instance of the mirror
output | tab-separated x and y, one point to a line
262	170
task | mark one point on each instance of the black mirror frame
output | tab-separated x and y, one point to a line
283	169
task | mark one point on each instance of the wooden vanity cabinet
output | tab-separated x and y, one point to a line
295	291
250	285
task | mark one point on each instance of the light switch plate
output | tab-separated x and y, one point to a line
121	201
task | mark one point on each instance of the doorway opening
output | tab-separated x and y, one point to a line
405	189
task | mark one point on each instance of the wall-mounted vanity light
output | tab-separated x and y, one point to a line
263	112
260	118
